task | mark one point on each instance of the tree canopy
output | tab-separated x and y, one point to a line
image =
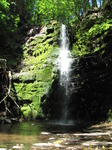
17	13
40	11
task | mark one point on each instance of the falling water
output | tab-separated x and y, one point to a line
65	63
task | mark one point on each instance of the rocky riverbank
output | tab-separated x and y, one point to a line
80	136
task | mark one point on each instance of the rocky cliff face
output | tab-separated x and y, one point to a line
90	84
92	73
37	71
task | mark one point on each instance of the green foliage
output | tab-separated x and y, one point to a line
110	115
39	11
8	26
8	21
26	112
4	8
48	10
99	28
17	20
91	39
37	74
64	10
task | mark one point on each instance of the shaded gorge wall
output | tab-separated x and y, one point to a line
90	84
90	89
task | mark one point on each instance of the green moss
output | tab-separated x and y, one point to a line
99	28
26	112
33	110
26	91
45	74
109	115
90	41
36	76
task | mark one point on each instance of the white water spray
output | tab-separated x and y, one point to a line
65	60
65	64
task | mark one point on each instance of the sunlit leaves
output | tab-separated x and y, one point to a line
40	11
55	9
4	5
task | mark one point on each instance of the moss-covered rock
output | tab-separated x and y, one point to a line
92	40
91	75
37	72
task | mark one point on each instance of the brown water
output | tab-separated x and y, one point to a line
52	136
25	134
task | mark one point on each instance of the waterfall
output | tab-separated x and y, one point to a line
65	64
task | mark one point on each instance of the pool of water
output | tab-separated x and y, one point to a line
24	135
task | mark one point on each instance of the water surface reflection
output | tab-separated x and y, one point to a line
28	133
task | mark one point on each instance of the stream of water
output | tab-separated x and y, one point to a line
65	64
43	135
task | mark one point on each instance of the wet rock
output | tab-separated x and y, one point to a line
45	133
